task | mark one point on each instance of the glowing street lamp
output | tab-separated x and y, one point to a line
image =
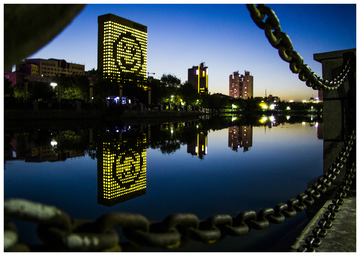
53	143
53	85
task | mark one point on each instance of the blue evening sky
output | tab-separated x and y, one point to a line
222	35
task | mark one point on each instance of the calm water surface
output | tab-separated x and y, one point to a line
157	170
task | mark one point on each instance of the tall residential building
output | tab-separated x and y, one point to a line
198	76
122	49
241	86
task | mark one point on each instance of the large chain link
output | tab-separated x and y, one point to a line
282	42
60	233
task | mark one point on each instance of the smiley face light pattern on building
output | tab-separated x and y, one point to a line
124	49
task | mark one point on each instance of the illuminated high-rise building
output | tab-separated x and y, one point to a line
122	170
122	49
198	76
241	86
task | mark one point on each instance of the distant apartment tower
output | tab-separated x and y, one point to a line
198	76
122	49
241	86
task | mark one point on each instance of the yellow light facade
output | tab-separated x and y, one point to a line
122	49
123	172
198	76
202	79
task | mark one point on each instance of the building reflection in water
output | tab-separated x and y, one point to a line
23	147
199	146
240	137
122	168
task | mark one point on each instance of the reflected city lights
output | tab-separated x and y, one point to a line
199	146
263	119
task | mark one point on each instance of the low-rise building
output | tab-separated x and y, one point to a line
42	70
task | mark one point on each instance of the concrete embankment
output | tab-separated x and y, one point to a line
341	237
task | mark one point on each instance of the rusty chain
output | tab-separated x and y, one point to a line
282	42
61	233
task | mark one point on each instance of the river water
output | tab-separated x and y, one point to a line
210	166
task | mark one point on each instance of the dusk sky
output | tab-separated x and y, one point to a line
223	36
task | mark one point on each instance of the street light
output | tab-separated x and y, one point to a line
53	85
